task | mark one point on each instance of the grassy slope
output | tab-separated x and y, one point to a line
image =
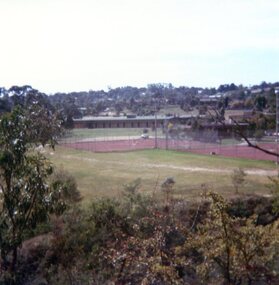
104	174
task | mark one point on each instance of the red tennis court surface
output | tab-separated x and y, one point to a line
240	151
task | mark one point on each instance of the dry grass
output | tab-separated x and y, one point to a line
104	174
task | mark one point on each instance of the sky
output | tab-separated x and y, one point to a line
81	45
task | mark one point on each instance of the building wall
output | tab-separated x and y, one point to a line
79	125
117	124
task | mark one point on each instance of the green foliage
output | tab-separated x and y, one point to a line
25	198
139	240
168	190
135	204
234	250
101	245
73	238
106	215
115	241
42	124
260	102
84	240
132	188
65	186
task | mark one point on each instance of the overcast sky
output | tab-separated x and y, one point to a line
66	45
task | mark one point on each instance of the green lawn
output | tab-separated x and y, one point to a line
109	132
104	174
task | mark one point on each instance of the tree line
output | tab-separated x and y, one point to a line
145	100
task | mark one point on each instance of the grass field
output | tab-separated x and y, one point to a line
109	132
104	174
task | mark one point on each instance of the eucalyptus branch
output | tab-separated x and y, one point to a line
240	133
10	211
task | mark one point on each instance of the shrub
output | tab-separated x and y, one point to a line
65	186
234	250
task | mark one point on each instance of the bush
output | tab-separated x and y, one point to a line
234	250
65	186
135	240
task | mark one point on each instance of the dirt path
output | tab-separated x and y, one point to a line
251	171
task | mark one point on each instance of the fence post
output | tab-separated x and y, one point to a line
167	139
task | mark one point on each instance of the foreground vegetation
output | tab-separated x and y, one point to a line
139	239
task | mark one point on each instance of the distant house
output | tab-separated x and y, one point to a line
238	115
217	95
82	110
208	101
256	91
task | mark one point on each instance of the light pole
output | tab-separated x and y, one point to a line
156	142
167	133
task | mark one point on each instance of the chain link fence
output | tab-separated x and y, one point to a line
201	142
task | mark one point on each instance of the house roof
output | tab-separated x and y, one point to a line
135	118
107	118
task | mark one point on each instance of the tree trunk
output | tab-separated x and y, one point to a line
14	260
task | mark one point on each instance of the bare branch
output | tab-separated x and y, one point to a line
240	133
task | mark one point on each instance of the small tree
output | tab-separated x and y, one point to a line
238	178
167	188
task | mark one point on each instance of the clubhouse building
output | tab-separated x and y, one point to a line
121	122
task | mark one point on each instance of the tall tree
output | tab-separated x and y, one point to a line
25	197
